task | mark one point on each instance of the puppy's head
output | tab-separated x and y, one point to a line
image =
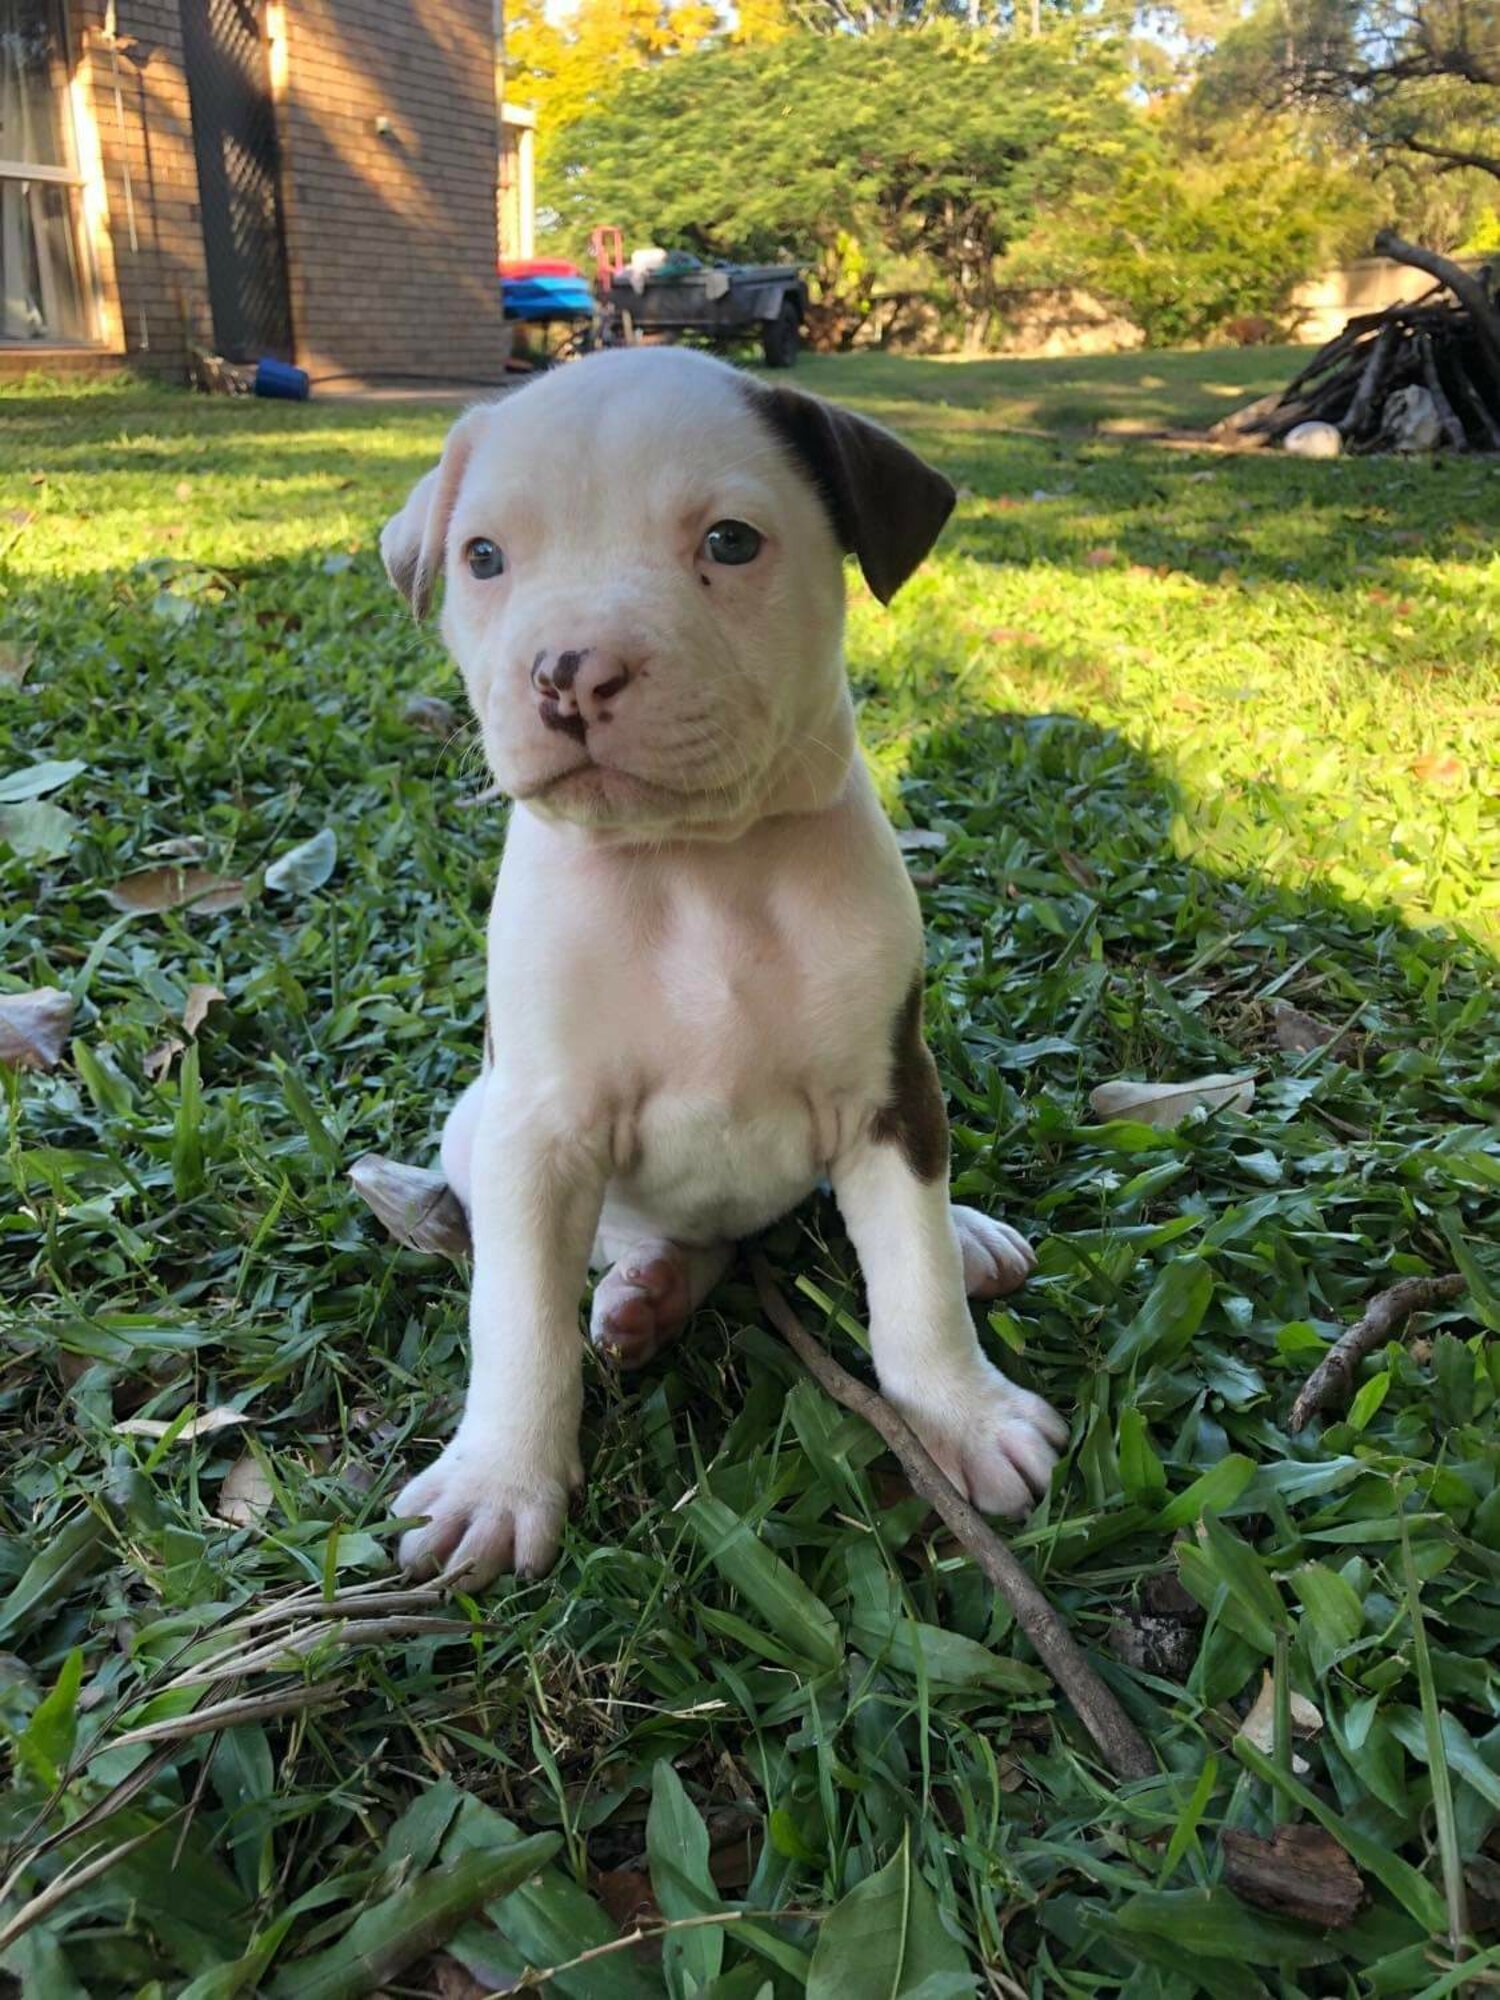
642	555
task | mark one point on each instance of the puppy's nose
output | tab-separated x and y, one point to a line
578	687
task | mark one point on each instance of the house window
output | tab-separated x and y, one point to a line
44	285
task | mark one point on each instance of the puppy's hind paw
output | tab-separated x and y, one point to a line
997	1258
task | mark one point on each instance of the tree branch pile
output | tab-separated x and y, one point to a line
1365	382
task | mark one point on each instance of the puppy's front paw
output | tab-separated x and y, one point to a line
997	1258
488	1510
997	1443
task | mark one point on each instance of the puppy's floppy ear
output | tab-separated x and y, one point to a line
887	505
412	542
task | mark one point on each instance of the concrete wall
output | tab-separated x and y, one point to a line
1369	284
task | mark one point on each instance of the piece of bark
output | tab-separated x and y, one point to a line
1301	1872
1332	1381
1119	1742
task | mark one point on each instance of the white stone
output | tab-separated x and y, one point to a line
1313	441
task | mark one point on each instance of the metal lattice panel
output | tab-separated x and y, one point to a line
234	138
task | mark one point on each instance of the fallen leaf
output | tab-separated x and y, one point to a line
183	489
151	890
1298	1033
628	1896
432	713
182	847
15	662
306	866
1166	1104
38	830
1259	1725
1078	868
920	840
1435	770
1101	558
1013	635
160	1060
34	1027
154	1427
246	1495
1301	1872
36	779
416	1206
199	1000
454	1983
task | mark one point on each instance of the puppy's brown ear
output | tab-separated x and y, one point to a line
887	505
412	542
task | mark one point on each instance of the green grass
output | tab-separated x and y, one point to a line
1203	736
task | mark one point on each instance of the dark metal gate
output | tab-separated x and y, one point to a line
234	138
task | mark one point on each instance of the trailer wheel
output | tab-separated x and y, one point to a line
781	337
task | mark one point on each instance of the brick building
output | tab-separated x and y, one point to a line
311	179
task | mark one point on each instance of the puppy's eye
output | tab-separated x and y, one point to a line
732	542
484	557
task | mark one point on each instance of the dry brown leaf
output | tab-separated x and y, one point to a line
1166	1104
199	1000
34	1026
1298	1033
1101	558
1078	868
1259	1726
1436	770
416	1206
246	1495
15	662
151	890
196	1427
1013	635
160	1060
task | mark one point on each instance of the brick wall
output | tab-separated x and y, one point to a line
156	294
391	237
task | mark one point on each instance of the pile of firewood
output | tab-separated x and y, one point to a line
1422	375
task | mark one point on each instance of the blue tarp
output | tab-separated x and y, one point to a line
546	298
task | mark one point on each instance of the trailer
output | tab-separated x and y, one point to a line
719	303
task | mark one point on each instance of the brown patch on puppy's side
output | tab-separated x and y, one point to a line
914	1116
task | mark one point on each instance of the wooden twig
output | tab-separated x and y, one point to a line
1120	1743
1333	1378
1371	378
1465	287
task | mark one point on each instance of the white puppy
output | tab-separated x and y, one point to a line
705	955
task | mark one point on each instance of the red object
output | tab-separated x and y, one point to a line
608	245
537	267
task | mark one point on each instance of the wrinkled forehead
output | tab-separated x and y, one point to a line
629	444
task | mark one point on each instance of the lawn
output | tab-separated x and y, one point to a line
1207	754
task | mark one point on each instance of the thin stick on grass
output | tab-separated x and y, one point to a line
1332	1381
543	1975
1119	1742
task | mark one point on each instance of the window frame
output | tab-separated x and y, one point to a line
71	176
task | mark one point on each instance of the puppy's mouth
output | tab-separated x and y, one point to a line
589	783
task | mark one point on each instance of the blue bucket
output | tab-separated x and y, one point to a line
279	378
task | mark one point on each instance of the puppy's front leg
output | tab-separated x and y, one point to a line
497	1497
997	1443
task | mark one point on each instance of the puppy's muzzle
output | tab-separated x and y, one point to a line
577	689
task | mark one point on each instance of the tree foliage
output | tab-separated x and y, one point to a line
886	158
1187	240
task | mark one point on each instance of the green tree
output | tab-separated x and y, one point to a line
1191	237
884	159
